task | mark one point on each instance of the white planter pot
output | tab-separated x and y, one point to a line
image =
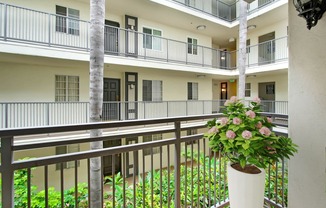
245	190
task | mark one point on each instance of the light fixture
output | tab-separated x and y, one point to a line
311	10
249	1
232	39
201	75
250	27
201	27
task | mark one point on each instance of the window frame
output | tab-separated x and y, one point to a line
192	48
192	94
149	138
66	88
152	38
66	149
66	21
248	89
152	95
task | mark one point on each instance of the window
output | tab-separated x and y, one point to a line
152	39
192	91
66	88
67	20
192	46
248	90
192	132
152	90
248	46
64	150
149	138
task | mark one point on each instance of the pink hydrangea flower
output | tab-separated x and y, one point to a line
224	120
269	120
233	99
259	125
265	131
227	102
214	129
256	100
251	114
246	134
237	121
230	134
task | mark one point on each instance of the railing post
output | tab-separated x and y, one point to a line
6	115
177	161
5	23
7	172
167	50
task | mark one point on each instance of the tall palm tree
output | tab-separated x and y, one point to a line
242	48
96	63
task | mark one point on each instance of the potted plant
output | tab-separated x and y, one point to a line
246	139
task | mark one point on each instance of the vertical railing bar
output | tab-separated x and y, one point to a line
102	181
269	182
62	184
124	178
46	186
161	175
6	115
204	188
198	173
49	28
76	183
143	176
134	177
5	22
283	173
192	173
168	157
276	185
177	156
28	187
209	177
215	178
186	175
113	180
224	180
152	178
89	181
219	177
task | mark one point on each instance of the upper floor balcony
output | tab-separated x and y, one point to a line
227	10
25	26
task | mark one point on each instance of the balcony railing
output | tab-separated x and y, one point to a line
34	27
175	171
29	114
228	11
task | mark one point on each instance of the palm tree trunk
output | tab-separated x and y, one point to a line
242	49
96	62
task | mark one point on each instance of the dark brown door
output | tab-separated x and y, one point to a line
131	36
224	92
108	162
131	86
111	37
111	99
132	159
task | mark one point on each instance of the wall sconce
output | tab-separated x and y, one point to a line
311	10
201	76
132	86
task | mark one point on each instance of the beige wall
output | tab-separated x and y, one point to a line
281	85
25	82
307	112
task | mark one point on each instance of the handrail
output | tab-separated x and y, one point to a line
205	57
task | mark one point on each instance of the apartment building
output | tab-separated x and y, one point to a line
178	56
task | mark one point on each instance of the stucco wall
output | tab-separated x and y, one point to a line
307	112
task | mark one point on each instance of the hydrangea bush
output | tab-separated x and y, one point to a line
245	137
